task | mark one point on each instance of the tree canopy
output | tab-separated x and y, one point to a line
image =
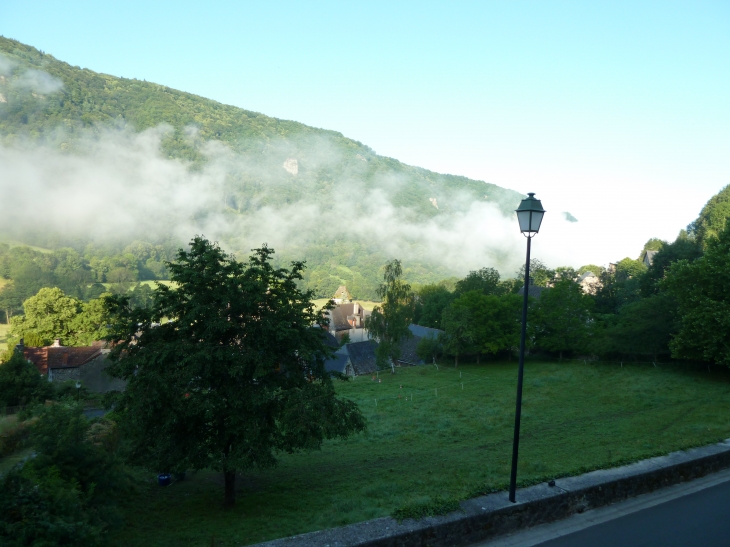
225	369
560	320
700	288
51	314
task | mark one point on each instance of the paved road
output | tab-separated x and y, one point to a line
687	515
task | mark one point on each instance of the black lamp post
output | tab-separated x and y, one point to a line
529	215
78	387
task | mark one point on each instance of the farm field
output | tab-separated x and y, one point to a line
443	432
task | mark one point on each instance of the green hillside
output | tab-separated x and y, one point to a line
273	163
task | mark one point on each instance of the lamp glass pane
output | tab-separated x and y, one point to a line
536	221
524	219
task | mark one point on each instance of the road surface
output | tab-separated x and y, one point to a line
691	514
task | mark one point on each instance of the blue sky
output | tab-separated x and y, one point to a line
618	112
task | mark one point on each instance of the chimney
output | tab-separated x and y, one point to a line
56	343
356	308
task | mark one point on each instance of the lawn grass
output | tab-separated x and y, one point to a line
434	438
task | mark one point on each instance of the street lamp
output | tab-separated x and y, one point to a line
78	387
529	215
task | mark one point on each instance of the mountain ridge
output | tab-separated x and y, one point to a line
314	193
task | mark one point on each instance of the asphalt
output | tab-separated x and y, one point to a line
685	515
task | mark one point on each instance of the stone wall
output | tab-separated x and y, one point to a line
92	375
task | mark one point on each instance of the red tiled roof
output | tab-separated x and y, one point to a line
60	357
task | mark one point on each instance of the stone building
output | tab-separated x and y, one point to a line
85	364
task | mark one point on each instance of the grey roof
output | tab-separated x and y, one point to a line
535	291
362	356
339	315
337	363
408	351
649	256
408	346
586	275
424	332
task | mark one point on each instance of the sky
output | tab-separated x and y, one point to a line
617	112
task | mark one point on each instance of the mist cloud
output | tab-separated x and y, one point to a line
6	66
118	184
36	81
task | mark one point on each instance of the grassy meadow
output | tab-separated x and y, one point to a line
443	432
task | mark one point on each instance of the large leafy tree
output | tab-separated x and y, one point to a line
713	217
643	327
225	369
51	314
561	318
683	248
496	322
485	281
389	322
431	301
540	274
700	288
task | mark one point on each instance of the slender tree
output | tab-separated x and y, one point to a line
389	322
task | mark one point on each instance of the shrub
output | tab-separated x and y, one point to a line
13	438
65	494
21	383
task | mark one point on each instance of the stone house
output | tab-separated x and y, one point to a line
354	359
84	364
589	282
348	319
342	295
408	346
648	258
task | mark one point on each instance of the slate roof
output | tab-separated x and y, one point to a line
586	275
534	291
408	346
362	356
337	363
338	316
330	340
649	257
424	332
408	351
54	357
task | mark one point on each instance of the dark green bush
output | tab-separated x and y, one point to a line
21	383
64	494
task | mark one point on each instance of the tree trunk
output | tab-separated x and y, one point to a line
456	360
229	499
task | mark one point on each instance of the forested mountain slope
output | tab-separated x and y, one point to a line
239	176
